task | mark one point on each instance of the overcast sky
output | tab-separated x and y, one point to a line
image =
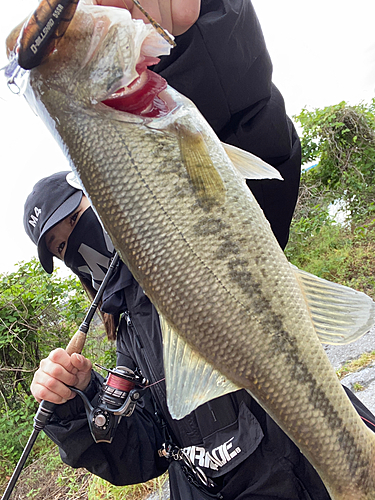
323	52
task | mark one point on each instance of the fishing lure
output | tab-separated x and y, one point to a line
43	31
47	25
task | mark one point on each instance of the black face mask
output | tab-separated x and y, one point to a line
89	249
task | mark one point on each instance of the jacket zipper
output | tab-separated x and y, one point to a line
162	394
130	324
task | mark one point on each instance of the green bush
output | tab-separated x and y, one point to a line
341	139
38	313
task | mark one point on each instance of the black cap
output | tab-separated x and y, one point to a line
52	199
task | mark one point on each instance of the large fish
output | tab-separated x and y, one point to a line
234	312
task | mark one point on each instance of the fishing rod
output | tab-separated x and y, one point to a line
46	409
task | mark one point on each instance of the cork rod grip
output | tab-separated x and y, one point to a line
76	343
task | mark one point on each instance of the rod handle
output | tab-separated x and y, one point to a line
76	343
43	415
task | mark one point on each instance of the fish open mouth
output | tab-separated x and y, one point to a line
144	95
139	91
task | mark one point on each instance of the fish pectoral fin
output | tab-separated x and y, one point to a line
206	180
340	314
190	379
249	165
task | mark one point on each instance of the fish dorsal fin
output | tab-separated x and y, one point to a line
340	314
190	380
249	165
206	180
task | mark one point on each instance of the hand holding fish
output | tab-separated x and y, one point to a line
57	372
176	16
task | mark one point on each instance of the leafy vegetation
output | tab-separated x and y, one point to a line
341	140
38	313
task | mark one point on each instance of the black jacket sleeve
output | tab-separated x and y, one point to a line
131	457
222	64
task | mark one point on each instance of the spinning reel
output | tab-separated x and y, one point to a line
118	397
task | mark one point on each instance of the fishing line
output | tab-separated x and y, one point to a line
368	421
154	23
154	383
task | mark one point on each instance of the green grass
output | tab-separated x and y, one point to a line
102	490
358	364
341	254
48	478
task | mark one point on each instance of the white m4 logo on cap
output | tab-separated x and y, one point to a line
34	218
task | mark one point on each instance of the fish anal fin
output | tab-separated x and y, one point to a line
249	165
340	314
190	380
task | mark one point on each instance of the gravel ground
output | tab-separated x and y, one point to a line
338	355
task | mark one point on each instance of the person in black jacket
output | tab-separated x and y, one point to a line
222	64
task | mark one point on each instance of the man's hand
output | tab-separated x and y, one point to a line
57	372
176	16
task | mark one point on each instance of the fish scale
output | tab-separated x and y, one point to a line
175	250
171	255
202	250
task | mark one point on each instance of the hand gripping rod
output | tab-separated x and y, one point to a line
46	408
